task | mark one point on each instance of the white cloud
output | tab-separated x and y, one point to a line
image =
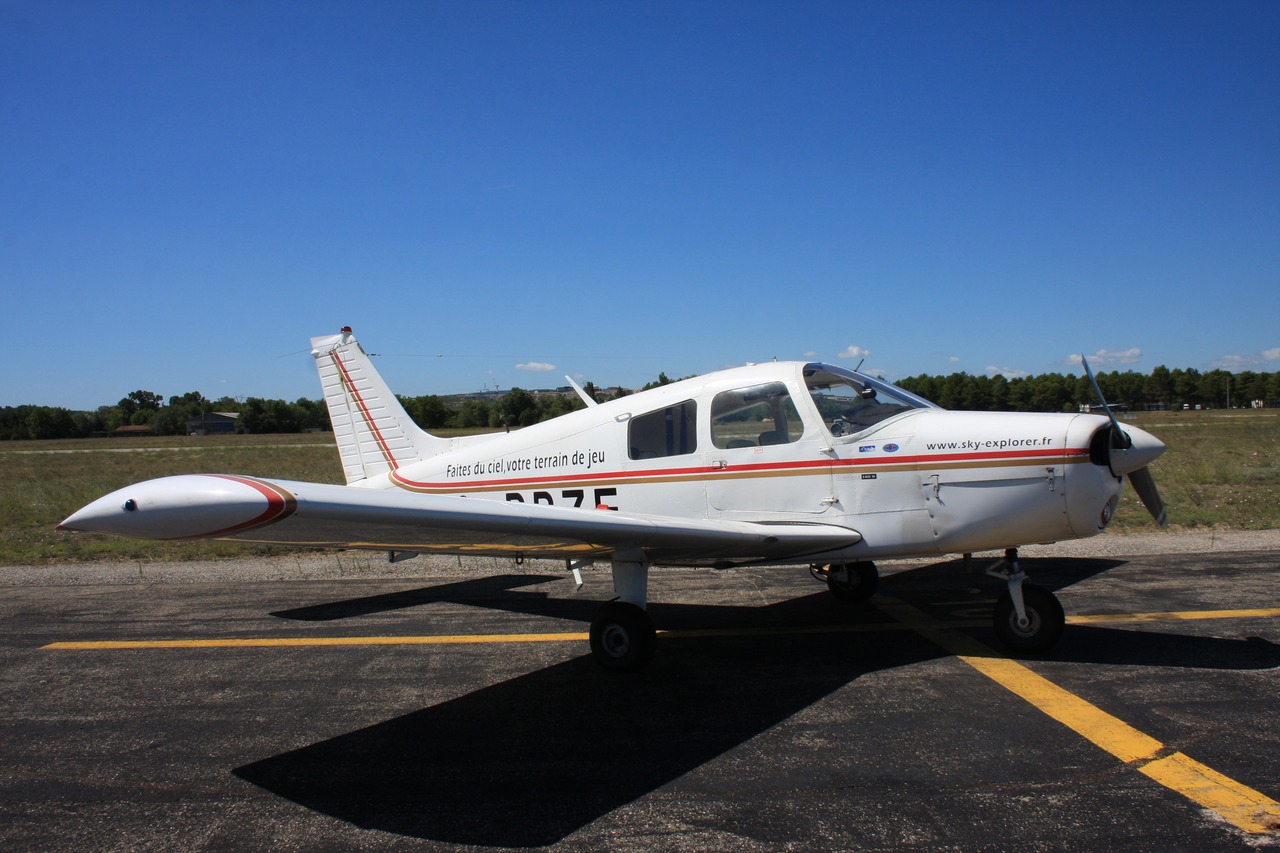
1104	359
1236	363
854	352
536	366
809	354
1007	372
955	359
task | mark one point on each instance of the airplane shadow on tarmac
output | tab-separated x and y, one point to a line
483	592
532	760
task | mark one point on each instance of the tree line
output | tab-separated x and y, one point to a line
257	415
1055	392
152	412
1049	392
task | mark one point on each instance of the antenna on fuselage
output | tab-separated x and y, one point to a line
583	395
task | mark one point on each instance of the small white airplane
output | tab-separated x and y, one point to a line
778	463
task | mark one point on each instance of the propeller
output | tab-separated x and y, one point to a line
1130	452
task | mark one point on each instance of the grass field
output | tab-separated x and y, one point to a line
1222	470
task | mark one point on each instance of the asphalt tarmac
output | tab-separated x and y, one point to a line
442	712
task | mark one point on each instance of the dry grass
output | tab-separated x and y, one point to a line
46	481
1222	470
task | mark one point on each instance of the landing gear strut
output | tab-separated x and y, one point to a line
623	638
1028	619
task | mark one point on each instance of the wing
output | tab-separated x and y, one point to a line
282	512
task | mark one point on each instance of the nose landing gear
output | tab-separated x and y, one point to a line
1028	619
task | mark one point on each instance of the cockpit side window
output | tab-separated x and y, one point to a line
756	416
851	402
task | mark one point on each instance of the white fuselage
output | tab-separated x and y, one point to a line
923	481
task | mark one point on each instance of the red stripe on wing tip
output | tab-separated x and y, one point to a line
280	505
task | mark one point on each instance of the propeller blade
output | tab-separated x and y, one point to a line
1119	438
1130	457
1145	487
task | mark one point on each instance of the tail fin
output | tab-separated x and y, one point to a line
374	433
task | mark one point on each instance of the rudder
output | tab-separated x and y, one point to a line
374	433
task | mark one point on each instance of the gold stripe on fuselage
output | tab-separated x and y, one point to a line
807	469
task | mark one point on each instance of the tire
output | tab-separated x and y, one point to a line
1044	613
622	637
862	583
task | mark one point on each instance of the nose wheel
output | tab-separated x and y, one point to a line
1035	632
1028	619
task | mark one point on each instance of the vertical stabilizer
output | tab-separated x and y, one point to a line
374	433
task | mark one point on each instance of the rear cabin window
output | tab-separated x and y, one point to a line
755	417
672	431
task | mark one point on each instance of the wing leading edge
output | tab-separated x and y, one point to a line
282	512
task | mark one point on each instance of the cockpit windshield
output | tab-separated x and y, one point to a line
851	402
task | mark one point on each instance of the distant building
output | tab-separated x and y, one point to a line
213	423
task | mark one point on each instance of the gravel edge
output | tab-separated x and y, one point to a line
373	565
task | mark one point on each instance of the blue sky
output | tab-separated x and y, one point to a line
487	190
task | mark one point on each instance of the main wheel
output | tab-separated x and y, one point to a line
858	585
622	637
1045	620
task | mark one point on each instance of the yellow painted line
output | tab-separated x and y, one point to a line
284	642
467	639
1174	616
794	630
1240	805
911	623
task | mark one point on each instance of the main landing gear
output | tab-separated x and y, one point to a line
623	638
852	583
1028	619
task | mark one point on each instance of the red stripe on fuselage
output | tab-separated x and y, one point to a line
799	468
